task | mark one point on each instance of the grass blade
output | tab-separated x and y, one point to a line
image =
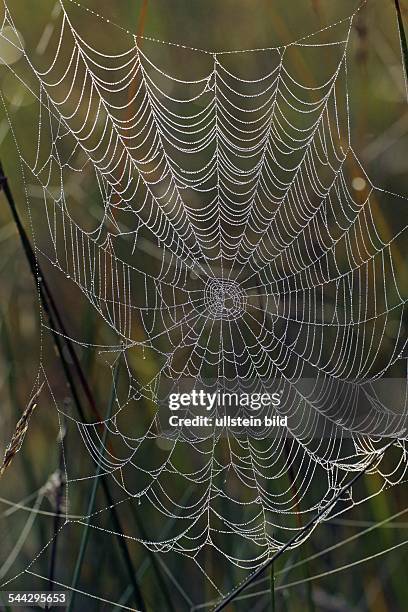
403	43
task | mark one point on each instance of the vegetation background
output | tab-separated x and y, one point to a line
349	577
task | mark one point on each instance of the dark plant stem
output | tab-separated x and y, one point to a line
51	310
47	298
403	42
298	536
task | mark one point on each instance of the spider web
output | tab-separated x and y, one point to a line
233	236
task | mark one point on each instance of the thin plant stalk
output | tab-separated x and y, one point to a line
403	43
303	532
51	310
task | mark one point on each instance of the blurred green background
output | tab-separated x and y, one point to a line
379	127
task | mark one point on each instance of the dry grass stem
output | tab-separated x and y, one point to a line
19	433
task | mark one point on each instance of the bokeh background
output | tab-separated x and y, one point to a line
357	579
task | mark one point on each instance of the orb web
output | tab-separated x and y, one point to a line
224	299
234	236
